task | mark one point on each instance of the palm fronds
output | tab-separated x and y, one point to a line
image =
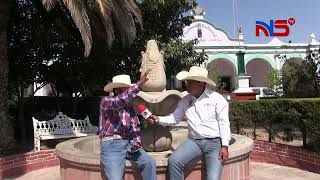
49	4
120	15
80	17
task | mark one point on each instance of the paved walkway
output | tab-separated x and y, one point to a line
258	171
264	171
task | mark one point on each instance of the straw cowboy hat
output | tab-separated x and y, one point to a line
118	82
196	73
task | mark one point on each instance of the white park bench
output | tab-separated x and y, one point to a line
61	126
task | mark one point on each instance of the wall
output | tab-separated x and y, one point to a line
262	152
22	163
285	155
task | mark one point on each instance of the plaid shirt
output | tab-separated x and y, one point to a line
116	117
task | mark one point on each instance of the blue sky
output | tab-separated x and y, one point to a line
305	12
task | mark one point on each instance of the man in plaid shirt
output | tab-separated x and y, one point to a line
120	135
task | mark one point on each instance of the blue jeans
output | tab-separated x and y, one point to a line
193	149
114	155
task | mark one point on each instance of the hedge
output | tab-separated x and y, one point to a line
303	114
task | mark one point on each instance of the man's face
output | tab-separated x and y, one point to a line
195	88
120	90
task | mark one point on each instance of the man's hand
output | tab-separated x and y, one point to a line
153	119
223	155
143	78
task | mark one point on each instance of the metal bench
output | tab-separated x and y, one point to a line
61	126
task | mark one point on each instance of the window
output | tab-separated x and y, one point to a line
199	30
199	33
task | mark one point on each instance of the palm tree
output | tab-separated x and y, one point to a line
6	129
115	15
123	14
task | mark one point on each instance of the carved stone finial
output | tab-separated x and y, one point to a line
198	11
312	36
152	59
313	39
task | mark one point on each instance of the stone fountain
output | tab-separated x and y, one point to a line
80	158
156	98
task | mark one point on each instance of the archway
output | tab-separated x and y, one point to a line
225	70
258	70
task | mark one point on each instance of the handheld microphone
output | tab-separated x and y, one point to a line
144	111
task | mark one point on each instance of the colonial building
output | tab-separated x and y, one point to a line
241	65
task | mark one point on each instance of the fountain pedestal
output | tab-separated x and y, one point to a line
80	159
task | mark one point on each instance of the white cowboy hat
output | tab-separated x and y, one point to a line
197	74
118	82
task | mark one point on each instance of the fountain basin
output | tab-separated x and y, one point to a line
80	159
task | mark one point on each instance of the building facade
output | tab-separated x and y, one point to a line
241	65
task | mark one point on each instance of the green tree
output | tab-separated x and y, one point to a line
313	70
294	79
60	47
274	81
215	76
23	64
36	40
297	78
56	53
181	55
6	130
115	15
123	14
162	20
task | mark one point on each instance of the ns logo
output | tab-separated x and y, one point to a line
275	27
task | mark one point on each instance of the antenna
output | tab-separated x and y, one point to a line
236	27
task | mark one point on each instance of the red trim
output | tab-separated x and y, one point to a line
245	96
262	152
23	163
285	155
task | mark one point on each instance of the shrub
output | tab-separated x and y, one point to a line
301	113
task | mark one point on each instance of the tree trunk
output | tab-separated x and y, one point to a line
270	132
238	127
74	105
6	129
304	135
56	95
255	131
21	121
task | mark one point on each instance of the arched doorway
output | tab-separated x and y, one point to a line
226	71
258	70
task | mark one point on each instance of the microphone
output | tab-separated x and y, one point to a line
144	111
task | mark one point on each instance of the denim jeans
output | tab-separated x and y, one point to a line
114	155
193	149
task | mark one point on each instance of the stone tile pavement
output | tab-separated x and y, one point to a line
258	171
264	171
